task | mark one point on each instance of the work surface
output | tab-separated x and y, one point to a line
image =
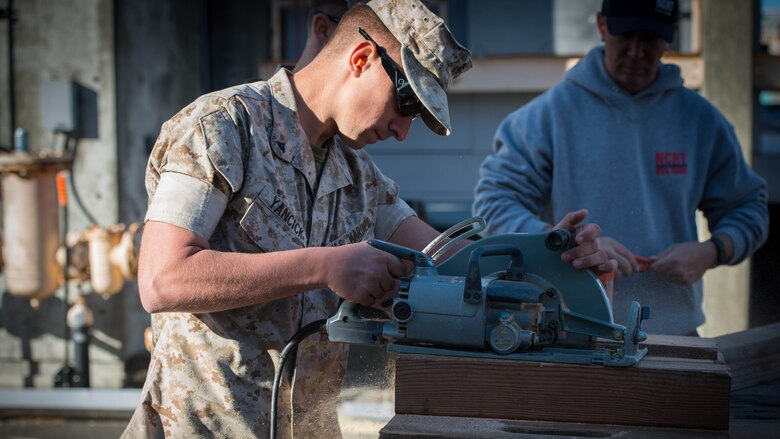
687	387
755	414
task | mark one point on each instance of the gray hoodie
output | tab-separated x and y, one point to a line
641	164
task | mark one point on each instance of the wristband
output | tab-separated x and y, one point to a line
720	249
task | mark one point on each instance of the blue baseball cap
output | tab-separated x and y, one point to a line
656	16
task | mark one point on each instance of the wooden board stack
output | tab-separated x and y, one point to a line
682	383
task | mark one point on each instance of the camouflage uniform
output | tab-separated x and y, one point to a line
236	167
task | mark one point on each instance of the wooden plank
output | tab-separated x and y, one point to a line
753	355
754	414
447	427
656	392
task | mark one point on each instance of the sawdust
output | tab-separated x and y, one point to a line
363	411
366	402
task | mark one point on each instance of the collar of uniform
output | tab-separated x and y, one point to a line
335	174
288	140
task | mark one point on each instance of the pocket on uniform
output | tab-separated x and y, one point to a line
224	147
272	224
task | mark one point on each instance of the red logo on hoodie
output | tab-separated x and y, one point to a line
670	163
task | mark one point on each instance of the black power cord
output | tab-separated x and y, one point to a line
311	328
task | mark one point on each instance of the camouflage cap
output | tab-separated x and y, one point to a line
431	57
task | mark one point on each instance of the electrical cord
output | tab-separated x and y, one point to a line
477	223
311	328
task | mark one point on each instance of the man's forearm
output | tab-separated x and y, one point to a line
178	272
211	281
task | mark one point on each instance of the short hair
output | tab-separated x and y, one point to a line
331	8
361	16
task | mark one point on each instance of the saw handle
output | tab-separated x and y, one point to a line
420	259
472	291
477	224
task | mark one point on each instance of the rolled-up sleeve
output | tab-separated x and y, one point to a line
185	201
200	169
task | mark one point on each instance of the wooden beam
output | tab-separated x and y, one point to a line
752	355
661	392
535	74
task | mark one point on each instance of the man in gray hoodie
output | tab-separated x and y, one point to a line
623	137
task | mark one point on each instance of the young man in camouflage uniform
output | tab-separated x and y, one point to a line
260	203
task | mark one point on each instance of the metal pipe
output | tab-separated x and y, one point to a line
11	88
80	320
63	201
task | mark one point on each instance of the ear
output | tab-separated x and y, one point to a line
321	28
601	22
360	57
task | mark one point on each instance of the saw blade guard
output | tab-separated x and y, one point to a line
581	292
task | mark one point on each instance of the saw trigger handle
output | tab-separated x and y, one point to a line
420	259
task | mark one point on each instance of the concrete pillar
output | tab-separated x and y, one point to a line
727	49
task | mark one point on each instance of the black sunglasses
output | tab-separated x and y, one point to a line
408	102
